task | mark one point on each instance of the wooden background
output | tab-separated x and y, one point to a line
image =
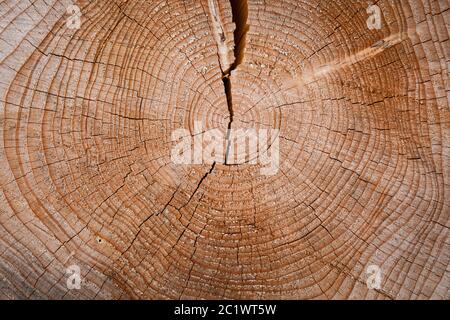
86	117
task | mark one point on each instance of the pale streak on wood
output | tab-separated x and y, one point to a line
317	72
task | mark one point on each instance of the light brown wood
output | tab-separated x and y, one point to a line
87	179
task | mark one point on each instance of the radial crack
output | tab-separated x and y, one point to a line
240	14
198	185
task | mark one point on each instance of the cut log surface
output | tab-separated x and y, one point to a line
87	180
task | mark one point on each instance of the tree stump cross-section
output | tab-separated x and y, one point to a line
355	94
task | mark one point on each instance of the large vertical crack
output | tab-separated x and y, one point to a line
227	85
239	10
240	14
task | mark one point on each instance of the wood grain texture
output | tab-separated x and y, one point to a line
86	117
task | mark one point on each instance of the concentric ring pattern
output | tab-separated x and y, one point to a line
87	116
